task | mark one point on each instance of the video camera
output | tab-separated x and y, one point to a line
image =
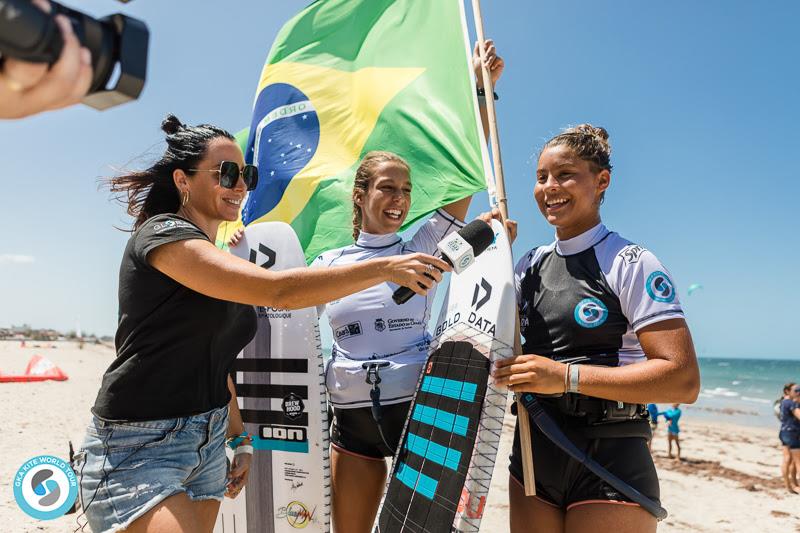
118	44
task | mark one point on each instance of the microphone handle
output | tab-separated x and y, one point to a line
404	294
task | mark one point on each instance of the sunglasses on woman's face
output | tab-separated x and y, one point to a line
229	174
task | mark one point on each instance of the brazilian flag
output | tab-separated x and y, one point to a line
345	77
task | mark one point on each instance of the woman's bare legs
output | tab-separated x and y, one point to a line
357	484
178	514
529	514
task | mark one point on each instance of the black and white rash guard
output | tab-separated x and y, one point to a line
368	326
589	295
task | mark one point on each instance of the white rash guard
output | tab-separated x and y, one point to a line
369	327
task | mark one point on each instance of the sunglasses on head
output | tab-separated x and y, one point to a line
229	173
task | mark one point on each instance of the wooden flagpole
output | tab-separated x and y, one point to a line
523	420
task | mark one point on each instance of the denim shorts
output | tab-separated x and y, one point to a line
127	468
790	439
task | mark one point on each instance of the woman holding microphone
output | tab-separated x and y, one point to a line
154	459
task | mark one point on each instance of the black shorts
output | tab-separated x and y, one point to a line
355	430
563	482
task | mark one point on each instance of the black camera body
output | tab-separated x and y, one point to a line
118	45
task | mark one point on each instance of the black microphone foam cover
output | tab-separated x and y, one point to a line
479	234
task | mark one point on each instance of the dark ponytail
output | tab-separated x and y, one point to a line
152	191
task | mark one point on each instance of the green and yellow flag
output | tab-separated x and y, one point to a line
348	76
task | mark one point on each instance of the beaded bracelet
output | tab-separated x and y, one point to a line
235	442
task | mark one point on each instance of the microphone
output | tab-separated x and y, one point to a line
459	250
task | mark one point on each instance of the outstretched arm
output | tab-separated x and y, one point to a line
200	266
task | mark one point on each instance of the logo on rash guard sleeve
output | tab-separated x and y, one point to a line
660	288
590	313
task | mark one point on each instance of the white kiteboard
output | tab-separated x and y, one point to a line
281	390
443	468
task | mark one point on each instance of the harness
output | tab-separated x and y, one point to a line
554	433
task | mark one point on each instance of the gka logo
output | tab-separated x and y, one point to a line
45	487
590	313
660	288
380	325
269	253
476	303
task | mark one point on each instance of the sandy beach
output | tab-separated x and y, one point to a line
729	479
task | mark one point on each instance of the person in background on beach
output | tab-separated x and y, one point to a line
790	436
605	332
673	430
652	411
154	455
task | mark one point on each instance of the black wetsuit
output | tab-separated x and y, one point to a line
583	300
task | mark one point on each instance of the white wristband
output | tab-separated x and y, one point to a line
243	449
574	376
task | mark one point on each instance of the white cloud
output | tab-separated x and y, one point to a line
16	259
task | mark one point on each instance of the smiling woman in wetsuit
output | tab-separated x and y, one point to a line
379	346
604	333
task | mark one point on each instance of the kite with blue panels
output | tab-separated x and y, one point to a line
431	466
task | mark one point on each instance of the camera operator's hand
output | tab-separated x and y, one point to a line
30	88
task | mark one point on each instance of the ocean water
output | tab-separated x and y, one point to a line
742	390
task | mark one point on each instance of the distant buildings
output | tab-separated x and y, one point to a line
27	333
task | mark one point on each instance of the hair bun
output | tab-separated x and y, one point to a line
588	129
171	124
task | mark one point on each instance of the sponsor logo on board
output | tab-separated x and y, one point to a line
473	319
287	433
292	406
477	303
263	257
45	487
380	324
297	514
272	312
471	506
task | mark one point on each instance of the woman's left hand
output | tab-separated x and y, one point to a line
530	373
236	237
237	477
511	225
494	62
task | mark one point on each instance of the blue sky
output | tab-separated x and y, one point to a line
700	99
